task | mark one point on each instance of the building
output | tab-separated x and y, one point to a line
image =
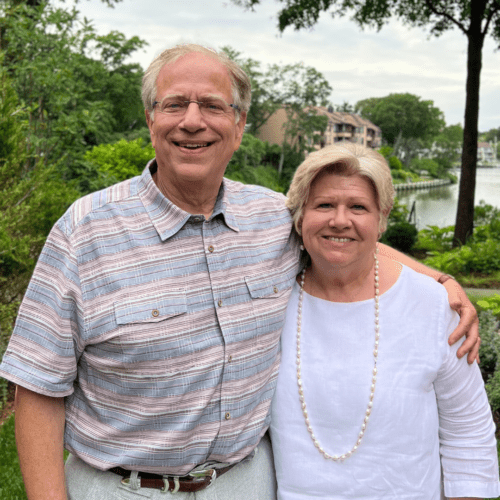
341	127
485	153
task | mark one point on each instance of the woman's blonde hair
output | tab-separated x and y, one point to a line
346	159
241	86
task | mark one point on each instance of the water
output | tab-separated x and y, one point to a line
438	206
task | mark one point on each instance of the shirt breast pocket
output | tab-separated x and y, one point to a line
269	294
154	327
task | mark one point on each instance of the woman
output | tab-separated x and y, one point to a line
371	400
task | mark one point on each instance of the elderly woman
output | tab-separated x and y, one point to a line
371	400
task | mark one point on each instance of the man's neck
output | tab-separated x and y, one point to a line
193	198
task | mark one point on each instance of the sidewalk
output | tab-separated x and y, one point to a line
481	292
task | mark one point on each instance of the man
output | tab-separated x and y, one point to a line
148	341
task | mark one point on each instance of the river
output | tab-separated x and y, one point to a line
438	206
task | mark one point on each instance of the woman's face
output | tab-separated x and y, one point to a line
340	224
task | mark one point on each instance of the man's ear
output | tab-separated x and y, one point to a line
150	123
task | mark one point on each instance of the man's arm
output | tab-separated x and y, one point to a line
459	302
40	424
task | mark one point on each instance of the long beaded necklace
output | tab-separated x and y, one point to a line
374	373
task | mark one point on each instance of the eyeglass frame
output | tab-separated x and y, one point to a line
234	106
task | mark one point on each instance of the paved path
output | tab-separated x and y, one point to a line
481	292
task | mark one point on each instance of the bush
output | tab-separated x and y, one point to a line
491	304
401	236
121	160
435	239
481	257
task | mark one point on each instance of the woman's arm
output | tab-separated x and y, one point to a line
459	302
466	429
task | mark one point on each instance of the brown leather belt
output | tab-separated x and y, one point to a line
193	482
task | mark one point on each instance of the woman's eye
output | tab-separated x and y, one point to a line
359	207
324	205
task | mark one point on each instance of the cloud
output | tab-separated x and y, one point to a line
358	64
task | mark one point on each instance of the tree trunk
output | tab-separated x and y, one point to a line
464	224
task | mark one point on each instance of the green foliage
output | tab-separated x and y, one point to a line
489	351
403	116
401	236
435	239
293	87
491	303
11	482
432	168
121	160
32	198
480	257
250	153
73	101
399	213
255	163
447	146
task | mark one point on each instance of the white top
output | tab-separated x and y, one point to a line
399	457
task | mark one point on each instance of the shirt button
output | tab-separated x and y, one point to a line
220	302
227	416
155	313
210	248
275	289
229	359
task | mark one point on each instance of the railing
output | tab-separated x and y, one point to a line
422	184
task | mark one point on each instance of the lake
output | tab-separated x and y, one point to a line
438	206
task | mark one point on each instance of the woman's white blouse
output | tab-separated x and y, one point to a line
429	410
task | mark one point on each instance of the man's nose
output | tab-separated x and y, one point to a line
193	119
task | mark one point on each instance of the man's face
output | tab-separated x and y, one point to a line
192	147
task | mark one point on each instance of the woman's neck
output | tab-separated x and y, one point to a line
338	284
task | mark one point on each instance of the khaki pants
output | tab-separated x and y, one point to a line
254	479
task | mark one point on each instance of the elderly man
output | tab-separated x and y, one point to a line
148	341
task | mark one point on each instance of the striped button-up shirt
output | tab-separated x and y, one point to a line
159	327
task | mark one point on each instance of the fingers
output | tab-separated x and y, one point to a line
471	344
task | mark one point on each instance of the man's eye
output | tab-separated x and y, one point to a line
173	105
214	106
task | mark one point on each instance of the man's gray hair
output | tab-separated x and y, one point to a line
345	158
240	82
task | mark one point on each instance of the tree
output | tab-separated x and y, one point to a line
474	18
294	87
447	146
73	83
407	122
32	198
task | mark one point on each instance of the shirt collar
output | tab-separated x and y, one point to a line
168	218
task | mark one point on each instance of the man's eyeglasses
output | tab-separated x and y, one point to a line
210	107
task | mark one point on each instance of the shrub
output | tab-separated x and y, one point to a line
121	160
491	304
401	236
435	239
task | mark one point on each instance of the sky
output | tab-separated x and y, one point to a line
357	64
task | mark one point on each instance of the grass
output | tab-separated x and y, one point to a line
11	482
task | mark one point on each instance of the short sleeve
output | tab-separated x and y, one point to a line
42	352
466	429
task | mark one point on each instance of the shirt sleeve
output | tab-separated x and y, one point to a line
466	429
42	352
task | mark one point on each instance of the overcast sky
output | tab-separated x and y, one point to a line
358	64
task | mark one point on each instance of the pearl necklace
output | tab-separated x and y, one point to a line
374	373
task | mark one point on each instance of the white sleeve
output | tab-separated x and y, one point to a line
466	429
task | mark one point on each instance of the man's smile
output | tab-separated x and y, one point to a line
193	145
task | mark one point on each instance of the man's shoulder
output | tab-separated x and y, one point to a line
247	193
99	204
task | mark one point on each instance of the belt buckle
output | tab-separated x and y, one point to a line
199	474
